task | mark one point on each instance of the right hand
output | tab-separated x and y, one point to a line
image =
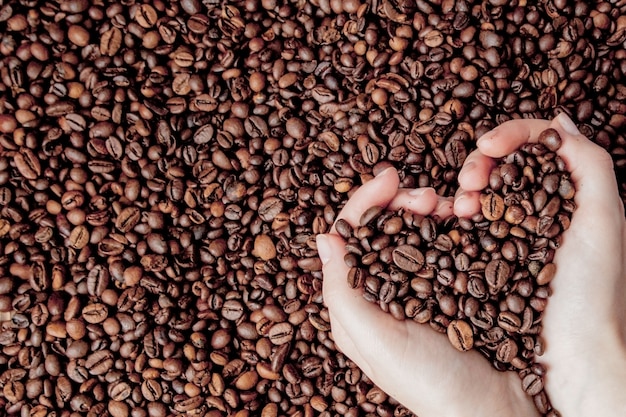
584	324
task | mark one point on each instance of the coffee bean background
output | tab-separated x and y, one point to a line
165	166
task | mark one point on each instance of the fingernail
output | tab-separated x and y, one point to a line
323	248
567	124
418	192
383	172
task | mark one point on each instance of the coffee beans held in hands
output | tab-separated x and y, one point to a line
167	165
484	281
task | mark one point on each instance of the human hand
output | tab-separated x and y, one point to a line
410	361
584	324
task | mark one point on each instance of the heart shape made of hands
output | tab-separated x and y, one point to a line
484	281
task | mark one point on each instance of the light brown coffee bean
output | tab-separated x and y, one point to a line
460	335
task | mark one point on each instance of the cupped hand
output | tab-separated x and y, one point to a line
585	319
410	361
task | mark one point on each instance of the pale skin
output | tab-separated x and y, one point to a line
584	322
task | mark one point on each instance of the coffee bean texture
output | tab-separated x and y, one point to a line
165	167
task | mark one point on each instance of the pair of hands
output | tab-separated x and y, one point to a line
584	324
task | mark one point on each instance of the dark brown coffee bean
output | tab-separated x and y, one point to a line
356	277
100	362
270	208
151	390
509	321
281	333
532	384
111	41
232	310
369	215
408	258
492	206
128	219
497	273
343	229
551	139
95	313
79	237
506	351
28	164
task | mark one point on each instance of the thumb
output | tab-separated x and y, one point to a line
588	288
592	171
595	240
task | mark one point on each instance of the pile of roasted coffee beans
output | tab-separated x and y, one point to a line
484	281
166	165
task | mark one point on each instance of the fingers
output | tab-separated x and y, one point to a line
474	174
591	168
510	135
423	201
466	203
473	177
383	191
377	192
498	142
593	246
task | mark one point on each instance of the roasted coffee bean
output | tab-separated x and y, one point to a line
492	206
128	219
408	258
281	333
460	335
497	273
550	139
28	164
532	384
173	162
100	362
95	313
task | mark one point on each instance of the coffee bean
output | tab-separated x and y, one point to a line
79	237
506	351
281	333
550	139
100	362
492	206
408	258
343	228
460	335
95	313
532	384
110	41
28	164
151	390
497	273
